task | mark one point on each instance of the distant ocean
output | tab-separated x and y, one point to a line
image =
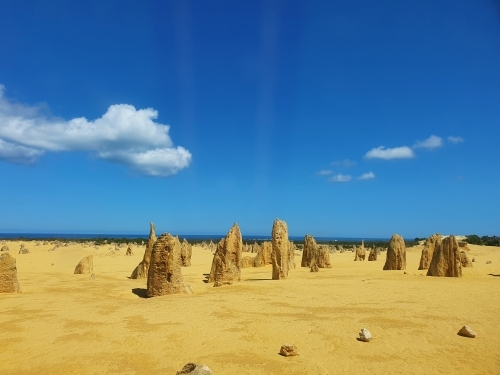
207	237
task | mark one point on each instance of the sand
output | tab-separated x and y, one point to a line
63	323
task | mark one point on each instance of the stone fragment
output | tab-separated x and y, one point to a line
227	258
488	262
396	254
186	252
372	256
141	271
164	274
288	350
5	248
314	266
428	250
365	335
23	250
8	274
194	369
129	251
360	252
280	246
465	260
92	277
86	265
473	259
466	331
446	259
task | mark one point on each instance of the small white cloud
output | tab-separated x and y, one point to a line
325	172
432	142
455	140
367	176
381	152
123	134
347	163
340	178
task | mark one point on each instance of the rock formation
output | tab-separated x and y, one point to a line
373	254
8	274
129	251
263	256
314	265
141	271
246	262
446	259
4	248
23	250
86	265
227	258
288	350
194	369
466	331
323	258
291	255
465	260
428	250
396	254
280	244
164	274
186	251
360	252
309	247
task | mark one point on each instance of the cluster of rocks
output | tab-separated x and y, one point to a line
24	250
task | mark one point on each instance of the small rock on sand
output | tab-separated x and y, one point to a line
466	331
288	350
365	335
194	369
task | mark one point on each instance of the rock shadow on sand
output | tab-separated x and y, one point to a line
140	292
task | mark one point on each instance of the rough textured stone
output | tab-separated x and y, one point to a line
246	262
291	255
372	256
86	265
280	244
323	258
8	274
465	260
227	258
186	251
446	259
360	252
396	254
129	251
428	250
194	369
288	350
5	248
263	256
141	271
164	274
365	335
314	266
466	331
307	253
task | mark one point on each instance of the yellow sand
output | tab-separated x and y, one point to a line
67	324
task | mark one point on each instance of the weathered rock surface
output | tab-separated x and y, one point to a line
246	262
291	255
323	258
129	251
446	259
310	247
365	335
466	331
280	244
186	251
360	252
372	256
263	256
8	274
465	260
5	248
288	350
164	274
227	258
314	266
141	271
194	369
396	254
86	265
428	250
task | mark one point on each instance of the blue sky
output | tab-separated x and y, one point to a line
343	118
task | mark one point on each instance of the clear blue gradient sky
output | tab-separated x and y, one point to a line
343	118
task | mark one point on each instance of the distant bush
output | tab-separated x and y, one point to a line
484	240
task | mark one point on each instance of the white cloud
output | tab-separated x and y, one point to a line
340	178
381	152
367	176
344	163
325	172
123	134
453	139
432	142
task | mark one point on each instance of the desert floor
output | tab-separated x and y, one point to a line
63	323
